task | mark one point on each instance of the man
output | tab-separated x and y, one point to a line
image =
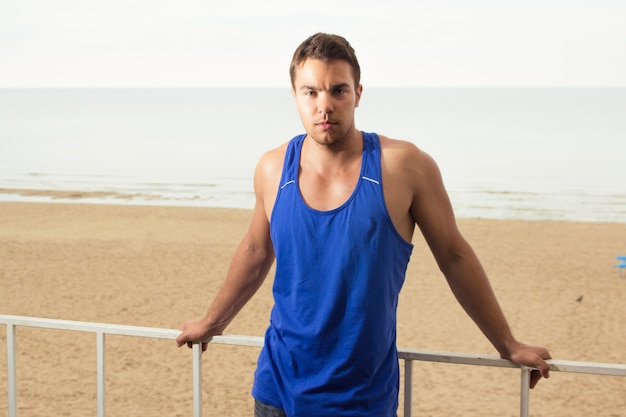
337	208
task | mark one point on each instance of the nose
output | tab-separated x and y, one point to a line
324	103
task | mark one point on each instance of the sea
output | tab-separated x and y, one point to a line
504	153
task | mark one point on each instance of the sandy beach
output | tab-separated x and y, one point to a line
158	266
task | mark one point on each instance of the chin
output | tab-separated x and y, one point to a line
325	139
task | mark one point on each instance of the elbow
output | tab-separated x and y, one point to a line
450	263
458	260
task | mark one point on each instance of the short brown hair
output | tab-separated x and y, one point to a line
325	47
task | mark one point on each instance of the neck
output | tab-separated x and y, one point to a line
338	155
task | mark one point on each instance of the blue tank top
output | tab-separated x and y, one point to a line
330	349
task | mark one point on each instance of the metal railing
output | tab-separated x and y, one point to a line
409	356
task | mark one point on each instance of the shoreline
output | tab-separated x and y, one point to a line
515	209
157	266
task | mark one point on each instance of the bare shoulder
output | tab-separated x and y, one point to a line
407	177
403	157
271	163
413	182
267	177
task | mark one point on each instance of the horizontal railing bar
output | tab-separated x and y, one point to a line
233	339
83	326
612	369
596	368
124	330
456	358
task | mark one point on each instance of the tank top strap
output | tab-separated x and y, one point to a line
291	165
371	170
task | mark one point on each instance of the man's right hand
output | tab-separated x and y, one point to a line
193	331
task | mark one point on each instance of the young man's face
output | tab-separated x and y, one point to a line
326	97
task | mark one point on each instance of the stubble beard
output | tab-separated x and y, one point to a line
331	138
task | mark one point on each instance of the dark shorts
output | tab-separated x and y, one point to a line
266	410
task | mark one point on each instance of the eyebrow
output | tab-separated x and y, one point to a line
332	87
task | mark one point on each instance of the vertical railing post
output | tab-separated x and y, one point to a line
524	391
197	379
100	373
408	388
11	373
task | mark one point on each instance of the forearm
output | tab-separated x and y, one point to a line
247	271
472	289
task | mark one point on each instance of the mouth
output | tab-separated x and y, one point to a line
326	124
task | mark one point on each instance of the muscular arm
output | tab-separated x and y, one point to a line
248	268
430	209
433	214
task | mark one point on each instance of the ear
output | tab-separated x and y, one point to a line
359	91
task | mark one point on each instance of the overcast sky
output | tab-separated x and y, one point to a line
232	43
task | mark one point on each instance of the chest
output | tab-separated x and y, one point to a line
327	190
